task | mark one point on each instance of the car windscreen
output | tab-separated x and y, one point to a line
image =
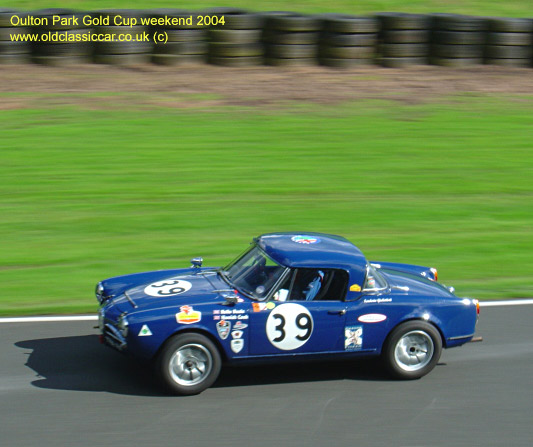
254	273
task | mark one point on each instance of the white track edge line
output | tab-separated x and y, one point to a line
94	317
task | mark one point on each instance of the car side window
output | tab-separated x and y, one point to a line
313	285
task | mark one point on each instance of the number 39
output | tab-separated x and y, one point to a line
289	326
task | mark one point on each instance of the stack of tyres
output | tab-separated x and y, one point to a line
291	39
123	40
404	39
509	42
347	41
236	41
12	52
457	40
60	38
185	41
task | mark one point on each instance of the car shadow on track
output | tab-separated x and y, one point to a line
81	363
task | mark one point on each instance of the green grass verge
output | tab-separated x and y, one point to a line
89	194
508	8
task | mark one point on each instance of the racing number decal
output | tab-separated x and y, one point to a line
289	326
168	287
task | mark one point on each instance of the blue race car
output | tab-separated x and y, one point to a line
288	295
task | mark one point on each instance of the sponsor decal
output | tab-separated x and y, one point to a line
378	300
145	331
169	287
289	326
353	338
236	334
305	239
372	318
188	315
258	307
231	314
237	344
355	288
239	325
223	328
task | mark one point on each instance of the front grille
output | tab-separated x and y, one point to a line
113	337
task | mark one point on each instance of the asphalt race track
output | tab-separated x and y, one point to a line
59	387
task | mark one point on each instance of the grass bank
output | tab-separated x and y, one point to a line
88	194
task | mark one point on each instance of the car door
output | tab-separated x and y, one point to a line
298	326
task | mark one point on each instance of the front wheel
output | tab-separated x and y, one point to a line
188	364
412	350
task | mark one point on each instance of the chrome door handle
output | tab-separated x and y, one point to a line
337	312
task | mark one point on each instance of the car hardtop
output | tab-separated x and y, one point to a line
312	250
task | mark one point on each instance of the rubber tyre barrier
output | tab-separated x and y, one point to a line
349	40
456	22
5	33
185	35
60	61
241	21
457	51
401	62
510	62
122	59
404	49
295	62
235	35
508	52
123	47
291	38
346	52
8	47
64	49
244	61
293	22
510	25
6	14
177	59
456	62
182	48
235	50
406	36
13	59
344	63
459	37
350	24
292	51
403	21
525	39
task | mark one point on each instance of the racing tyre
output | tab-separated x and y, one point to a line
412	350
188	364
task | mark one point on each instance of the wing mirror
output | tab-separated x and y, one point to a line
197	262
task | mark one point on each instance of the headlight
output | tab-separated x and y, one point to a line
99	292
435	273
122	324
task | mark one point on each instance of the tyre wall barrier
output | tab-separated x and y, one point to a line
237	38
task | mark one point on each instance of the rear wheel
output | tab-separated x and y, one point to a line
412	350
188	364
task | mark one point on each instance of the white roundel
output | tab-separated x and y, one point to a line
167	287
289	326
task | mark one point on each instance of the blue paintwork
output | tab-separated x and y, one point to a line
454	317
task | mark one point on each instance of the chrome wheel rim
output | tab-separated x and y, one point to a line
190	364
414	351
